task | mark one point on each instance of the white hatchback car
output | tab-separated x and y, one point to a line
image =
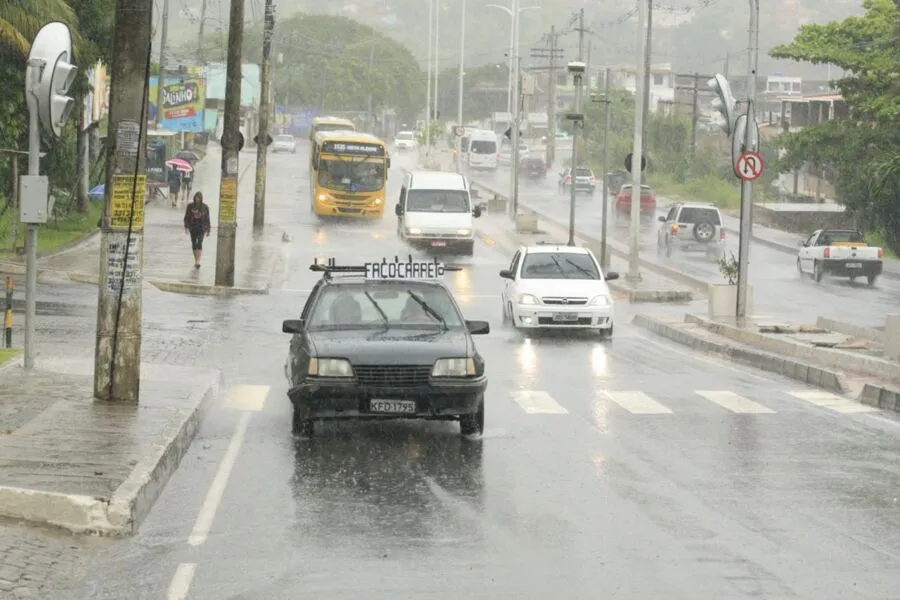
557	287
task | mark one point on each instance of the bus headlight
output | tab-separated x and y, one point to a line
377	201
323	197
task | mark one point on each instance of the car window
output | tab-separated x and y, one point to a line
583	173
559	265
404	136
347	307
445	201
697	214
515	263
284	138
672	212
483	147
844	237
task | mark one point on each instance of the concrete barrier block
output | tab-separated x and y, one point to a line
892	336
881	397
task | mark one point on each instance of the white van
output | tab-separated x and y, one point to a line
436	211
483	152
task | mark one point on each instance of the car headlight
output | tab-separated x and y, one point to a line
528	299
413	231
453	367
463	232
601	300
330	367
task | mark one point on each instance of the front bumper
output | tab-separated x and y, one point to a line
328	208
541	316
323	398
839	267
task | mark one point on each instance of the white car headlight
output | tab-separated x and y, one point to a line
453	367
528	299
413	231
602	300
330	367
463	232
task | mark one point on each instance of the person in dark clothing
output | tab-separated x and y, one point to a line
197	225
174	186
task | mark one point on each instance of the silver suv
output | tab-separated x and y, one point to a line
691	227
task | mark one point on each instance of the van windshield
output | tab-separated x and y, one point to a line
445	201
483	147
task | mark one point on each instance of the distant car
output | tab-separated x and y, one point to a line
557	287
691	227
840	252
648	200
534	167
584	180
405	140
284	143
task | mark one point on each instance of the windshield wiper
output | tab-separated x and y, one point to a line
428	310
384	317
582	269
559	266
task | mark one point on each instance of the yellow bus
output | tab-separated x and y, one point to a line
349	175
320	124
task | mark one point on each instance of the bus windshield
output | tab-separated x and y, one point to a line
351	175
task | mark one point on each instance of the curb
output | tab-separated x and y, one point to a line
18	361
864	333
123	512
199	289
881	397
765	361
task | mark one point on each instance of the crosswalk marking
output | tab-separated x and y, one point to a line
246	398
538	402
734	403
637	403
832	402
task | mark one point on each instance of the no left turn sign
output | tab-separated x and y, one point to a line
749	166
459	130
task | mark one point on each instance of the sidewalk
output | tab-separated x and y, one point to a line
168	263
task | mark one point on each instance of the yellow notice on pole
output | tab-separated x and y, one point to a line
127	201
227	200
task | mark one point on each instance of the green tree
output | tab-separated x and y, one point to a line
484	92
860	151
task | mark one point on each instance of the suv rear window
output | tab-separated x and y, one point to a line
483	147
583	173
698	214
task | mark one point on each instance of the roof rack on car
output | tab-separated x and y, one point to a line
386	269
550	243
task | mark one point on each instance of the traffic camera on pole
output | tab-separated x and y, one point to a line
725	101
52	51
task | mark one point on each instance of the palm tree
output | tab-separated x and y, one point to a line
20	20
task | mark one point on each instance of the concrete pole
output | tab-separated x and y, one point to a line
163	40
647	68
228	187
200	33
428	81
459	102
82	168
634	272
747	186
514	114
576	125
551	102
117	357
604	248
262	149
513	14
31	230
437	59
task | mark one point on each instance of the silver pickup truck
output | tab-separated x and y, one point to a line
840	252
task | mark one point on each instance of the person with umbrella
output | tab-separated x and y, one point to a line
180	169
174	178
197	225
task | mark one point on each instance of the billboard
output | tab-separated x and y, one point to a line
184	101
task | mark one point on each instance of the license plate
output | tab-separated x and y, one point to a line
854	265
393	406
565	317
438	244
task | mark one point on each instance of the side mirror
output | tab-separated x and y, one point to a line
388	162
662	219
478	327
477	212
292	326
398	210
611	276
506	274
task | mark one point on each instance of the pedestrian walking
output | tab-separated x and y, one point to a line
197	225
174	185
187	183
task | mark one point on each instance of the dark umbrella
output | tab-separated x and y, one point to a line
188	155
97	193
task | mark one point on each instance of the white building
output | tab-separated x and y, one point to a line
662	83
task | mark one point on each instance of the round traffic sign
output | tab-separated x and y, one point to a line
459	130
749	166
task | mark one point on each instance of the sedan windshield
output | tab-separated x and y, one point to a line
445	201
351	175
405	135
559	265
350	307
284	138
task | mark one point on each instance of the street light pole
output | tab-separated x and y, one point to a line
604	250
459	102
437	60
160	80
514	114
747	186
428	82
634	273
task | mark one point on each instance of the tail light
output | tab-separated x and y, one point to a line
592	180
722	234
880	253
674	228
827	253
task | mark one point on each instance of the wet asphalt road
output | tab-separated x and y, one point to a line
779	290
633	469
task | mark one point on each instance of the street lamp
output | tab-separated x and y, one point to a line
513	46
428	82
459	101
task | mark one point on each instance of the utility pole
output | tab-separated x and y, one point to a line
648	67
520	100
200	34
160	81
232	141
263	137
437	60
459	101
553	53
604	250
117	356
637	154
514	125
575	126
750	141
369	116
695	114
428	80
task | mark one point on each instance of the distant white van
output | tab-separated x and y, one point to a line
436	211
483	152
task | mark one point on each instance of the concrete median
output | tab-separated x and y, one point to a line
885	398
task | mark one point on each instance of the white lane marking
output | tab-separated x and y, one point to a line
637	403
538	402
180	586
246	398
217	489
735	403
833	402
